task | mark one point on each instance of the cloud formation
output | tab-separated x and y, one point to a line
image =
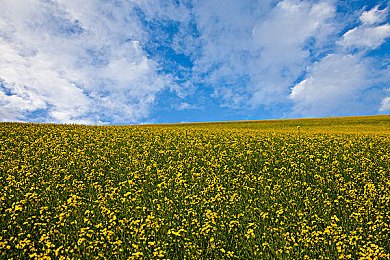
116	61
331	87
346	81
385	105
77	63
371	33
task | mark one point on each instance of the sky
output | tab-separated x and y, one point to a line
153	61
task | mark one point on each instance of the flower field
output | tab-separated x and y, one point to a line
283	189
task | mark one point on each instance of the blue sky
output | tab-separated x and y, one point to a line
151	61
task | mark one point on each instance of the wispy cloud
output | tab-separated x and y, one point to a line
184	106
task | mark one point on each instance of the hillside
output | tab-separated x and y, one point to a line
288	189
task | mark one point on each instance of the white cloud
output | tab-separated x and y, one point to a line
342	83
385	105
78	62
374	16
251	53
184	106
35	84
370	37
282	40
282	36
254	58
332	87
298	91
64	61
369	34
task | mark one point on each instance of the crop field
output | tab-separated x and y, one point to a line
277	189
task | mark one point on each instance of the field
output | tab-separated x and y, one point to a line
279	189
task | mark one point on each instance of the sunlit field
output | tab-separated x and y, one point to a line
280	189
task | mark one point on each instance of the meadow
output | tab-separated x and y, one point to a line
277	189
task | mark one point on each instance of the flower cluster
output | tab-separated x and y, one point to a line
193	191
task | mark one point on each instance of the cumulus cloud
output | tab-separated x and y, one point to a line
374	16
331	87
113	61
255	57
370	33
385	105
285	39
251	52
78	63
367	37
343	81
